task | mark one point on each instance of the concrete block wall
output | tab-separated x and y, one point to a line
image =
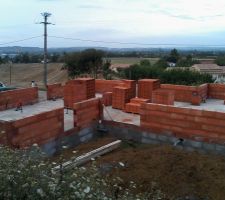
54	91
216	91
197	125
142	135
86	112
78	90
70	139
38	129
10	99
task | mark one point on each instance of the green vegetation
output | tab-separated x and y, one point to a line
88	61
220	60
172	76
28	175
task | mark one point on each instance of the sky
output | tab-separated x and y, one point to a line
144	23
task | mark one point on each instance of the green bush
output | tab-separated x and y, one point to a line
28	175
174	76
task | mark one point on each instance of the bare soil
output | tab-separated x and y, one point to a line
177	173
23	74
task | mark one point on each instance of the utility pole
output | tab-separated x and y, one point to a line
10	72
46	23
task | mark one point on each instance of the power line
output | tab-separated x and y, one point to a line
135	43
15	41
45	15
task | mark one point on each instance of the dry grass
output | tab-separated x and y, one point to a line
23	74
131	60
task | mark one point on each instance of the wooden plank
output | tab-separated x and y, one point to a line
88	156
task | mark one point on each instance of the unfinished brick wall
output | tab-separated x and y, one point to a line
107	98
192	94
38	129
86	112
216	91
146	87
187	123
203	91
134	105
162	96
120	96
102	86
78	90
10	99
54	91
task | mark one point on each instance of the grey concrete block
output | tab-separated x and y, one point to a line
220	148
49	148
71	141
172	140
163	138
209	147
134	135
149	135
85	131
86	138
192	143
149	141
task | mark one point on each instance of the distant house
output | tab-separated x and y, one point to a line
206	61
114	67
171	64
217	72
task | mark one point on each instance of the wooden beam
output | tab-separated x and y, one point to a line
88	156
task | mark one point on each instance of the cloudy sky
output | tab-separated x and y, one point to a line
187	22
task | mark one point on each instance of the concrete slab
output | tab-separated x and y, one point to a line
210	105
112	114
30	110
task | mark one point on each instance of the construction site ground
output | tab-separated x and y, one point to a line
177	173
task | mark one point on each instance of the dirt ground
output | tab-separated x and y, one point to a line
176	173
23	74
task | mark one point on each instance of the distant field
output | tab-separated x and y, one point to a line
23	74
131	60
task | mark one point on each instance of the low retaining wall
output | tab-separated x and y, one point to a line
10	99
54	91
198	125
139	134
35	129
70	139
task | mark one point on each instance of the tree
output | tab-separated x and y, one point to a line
174	56
145	62
106	69
1	61
88	61
220	60
161	63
